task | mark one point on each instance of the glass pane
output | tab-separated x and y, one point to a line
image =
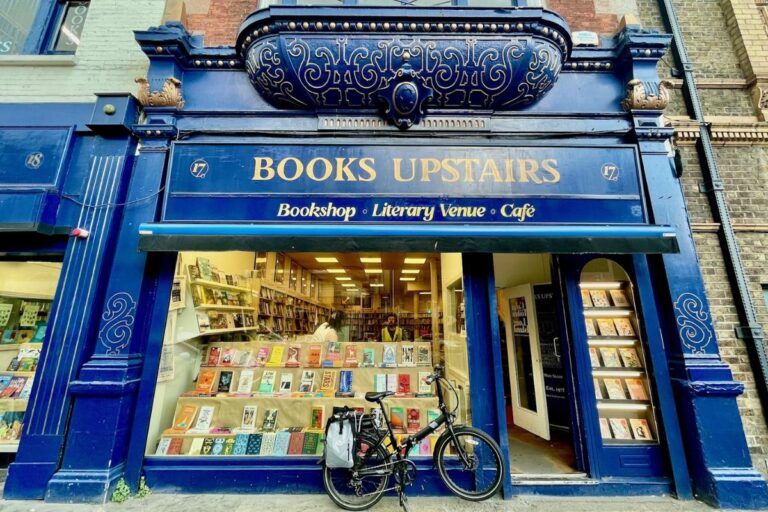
260	265
294	277
16	17
253	367
617	355
71	27
523	358
26	296
279	267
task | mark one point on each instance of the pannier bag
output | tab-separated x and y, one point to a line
340	441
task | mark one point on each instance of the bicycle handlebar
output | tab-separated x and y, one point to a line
438	374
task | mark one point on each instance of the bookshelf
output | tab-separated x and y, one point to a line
617	357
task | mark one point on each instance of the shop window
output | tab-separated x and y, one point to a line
618	355
26	295
41	26
260	265
252	367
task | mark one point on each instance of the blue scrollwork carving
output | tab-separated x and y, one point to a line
118	318
330	66
693	322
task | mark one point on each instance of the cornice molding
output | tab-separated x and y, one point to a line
687	133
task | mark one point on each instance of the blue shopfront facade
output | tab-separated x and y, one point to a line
457	130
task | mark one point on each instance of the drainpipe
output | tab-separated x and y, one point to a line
750	330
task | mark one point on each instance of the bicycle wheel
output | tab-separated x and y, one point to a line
478	474
363	492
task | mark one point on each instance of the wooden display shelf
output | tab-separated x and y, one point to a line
17	346
225	331
607	312
17	374
219	307
9	446
12	403
221	286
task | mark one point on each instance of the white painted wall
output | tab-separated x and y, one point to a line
107	60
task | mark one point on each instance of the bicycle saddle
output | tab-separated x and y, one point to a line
373	396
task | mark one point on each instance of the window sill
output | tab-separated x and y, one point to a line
38	60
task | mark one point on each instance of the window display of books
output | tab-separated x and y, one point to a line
273	398
617	357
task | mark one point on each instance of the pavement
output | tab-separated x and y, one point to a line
321	503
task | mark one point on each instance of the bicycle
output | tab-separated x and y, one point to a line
475	462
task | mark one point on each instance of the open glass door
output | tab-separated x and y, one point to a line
526	375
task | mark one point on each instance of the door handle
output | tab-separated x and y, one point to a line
555	343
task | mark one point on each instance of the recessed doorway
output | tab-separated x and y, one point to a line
538	414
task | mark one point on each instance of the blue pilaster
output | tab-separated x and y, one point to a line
105	390
484	353
97	197
716	448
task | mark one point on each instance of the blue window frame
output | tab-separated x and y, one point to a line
35	27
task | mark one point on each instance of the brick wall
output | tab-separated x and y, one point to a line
108	59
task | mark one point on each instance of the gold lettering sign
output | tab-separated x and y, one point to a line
425	170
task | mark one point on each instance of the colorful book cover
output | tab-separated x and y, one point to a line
369	358
27	389
392	382
345	383
9	336
585	299
174	447
388	357
328	382
39	334
425	388
286	382
248	421
619	299
241	444
162	446
207	447
414	419
404	384
606	327
598	390
350	356
623	326
292	361
229	446
282	439
276	357
203	321
261	357
594	358
204	419
296	443
270	420
267	384
196	446
204	268
14	387
397	418
245	381
309	446
25	336
423	354
214	354
254	444
4	381
610	357
630	358
333	351
640	429
205	380
315	355
380	382
267	443
605	429
307	383
228	356
407	355
620	428
317	417
590	326
185	417
599	298
225	381
218	446
242	357
636	389
614	389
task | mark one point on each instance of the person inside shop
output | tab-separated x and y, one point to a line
391	331
329	330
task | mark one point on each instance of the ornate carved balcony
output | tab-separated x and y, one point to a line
403	61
